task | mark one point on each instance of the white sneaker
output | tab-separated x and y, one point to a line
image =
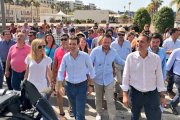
98	117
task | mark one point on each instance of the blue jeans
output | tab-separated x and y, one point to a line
176	99
16	79
150	101
77	95
1	75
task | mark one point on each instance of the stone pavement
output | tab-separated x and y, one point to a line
122	112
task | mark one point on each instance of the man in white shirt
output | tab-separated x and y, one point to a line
143	78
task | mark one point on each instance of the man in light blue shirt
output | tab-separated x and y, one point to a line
5	45
154	47
77	65
103	58
123	48
174	61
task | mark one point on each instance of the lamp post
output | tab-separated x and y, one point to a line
15	19
124	9
129	12
32	20
3	15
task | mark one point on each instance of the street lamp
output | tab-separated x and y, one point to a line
32	20
124	9
129	12
3	15
15	17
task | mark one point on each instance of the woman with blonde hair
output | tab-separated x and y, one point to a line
100	39
38	69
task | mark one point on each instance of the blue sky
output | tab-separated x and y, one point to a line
119	4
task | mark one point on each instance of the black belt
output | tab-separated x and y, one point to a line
77	84
143	93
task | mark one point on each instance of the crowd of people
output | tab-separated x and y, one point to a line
119	63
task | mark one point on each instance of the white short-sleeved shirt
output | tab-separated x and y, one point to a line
37	72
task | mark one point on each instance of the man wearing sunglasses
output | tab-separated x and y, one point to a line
58	55
123	48
32	36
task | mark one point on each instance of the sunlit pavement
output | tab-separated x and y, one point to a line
122	113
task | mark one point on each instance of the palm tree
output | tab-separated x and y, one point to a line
156	4
53	6
153	7
37	5
58	7
177	3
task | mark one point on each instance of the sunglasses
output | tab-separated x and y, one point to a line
64	39
41	46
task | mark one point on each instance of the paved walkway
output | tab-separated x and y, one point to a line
122	113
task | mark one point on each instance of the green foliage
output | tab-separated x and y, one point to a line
141	18
125	18
52	20
76	21
90	21
164	19
103	21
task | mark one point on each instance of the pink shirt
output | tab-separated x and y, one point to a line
17	57
59	53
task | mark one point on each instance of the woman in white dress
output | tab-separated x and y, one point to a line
38	66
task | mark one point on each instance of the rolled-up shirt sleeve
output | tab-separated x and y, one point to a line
170	61
159	75
126	76
60	76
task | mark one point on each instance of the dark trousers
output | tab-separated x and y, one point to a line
149	100
77	95
170	80
8	79
1	75
16	79
176	99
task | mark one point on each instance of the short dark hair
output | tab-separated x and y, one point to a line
33	32
145	35
107	36
109	30
5	31
72	30
74	38
172	30
100	30
65	35
156	36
